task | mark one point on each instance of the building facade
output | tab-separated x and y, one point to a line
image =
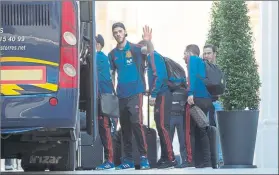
173	29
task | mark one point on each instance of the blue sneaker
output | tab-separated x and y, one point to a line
105	166
126	164
144	164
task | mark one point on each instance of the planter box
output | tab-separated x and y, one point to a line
238	131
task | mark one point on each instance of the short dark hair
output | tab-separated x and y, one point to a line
194	49
214	49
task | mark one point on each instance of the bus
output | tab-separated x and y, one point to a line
41	45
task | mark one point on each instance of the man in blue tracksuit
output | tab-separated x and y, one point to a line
209	53
198	95
128	61
161	97
104	86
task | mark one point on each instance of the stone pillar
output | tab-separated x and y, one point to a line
266	153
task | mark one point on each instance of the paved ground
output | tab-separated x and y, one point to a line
170	171
155	171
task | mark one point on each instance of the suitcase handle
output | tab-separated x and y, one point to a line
148	113
148	117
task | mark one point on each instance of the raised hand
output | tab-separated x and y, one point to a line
147	33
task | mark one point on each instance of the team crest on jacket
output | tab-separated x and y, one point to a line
128	54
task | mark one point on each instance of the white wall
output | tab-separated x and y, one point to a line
266	154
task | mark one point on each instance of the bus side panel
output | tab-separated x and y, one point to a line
36	111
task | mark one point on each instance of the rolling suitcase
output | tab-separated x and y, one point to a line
91	153
213	134
151	139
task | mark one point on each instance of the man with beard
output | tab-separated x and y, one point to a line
128	61
209	53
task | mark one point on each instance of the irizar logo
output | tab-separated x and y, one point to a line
44	159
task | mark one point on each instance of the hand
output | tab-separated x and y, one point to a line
152	101
190	100
147	33
146	93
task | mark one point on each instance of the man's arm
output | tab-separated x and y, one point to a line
192	73
112	73
112	69
157	69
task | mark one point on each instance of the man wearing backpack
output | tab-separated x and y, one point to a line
161	98
128	61
209	54
198	95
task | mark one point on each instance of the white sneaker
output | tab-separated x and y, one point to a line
9	167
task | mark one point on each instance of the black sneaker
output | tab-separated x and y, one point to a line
167	164
160	161
204	166
184	165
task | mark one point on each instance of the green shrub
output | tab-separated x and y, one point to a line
236	56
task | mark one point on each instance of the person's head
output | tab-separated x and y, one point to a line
100	42
191	50
119	32
209	52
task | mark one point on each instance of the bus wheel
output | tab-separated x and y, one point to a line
71	163
28	167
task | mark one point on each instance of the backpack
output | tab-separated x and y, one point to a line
215	81
179	100
176	74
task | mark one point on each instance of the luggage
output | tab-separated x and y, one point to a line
179	99
176	74
91	153
215	81
199	117
111	110
213	134
151	139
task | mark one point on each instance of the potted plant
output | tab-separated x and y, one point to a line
238	121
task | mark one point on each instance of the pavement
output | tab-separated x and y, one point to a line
156	171
151	171
19	171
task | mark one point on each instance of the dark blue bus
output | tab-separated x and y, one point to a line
40	45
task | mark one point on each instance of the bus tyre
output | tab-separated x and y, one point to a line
71	163
29	167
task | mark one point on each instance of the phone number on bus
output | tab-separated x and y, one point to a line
12	38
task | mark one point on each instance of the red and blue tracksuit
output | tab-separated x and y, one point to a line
105	86
158	86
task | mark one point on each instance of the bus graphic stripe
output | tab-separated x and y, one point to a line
16	90
10	89
27	60
48	86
